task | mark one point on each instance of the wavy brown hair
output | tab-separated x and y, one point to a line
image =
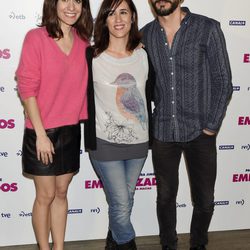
101	32
83	26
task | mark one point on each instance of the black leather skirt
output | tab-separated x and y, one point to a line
66	142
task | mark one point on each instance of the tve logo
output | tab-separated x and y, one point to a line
246	58
6	215
4	54
2	89
3	154
9	124
244	120
8	187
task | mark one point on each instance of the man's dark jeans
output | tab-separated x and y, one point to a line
200	157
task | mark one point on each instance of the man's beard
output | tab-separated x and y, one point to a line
163	11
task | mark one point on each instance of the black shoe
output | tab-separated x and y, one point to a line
201	247
110	242
127	246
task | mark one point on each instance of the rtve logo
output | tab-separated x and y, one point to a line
4	53
9	124
244	120
246	58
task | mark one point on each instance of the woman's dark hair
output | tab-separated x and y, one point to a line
83	26
101	32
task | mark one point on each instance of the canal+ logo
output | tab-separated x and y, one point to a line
237	23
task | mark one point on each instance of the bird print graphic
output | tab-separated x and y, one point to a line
129	100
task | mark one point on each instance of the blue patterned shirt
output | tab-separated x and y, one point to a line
193	78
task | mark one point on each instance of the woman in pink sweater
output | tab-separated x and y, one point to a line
52	81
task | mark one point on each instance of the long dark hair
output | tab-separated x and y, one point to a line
101	32
83	26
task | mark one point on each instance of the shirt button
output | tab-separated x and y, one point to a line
172	102
172	88
172	73
171	58
166	44
173	116
161	29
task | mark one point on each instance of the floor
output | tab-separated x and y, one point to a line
226	240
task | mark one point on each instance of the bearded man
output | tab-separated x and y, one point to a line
191	93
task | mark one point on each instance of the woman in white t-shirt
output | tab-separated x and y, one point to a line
117	131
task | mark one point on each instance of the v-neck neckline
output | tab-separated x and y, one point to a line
71	50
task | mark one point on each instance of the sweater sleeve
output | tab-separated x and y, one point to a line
28	71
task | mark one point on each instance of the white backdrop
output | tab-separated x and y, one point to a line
87	206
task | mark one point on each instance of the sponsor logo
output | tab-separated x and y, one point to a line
236	88
8	187
144	182
19	153
244	120
2	89
24	214
245	147
221	203
6	215
4	154
10	124
75	211
95	210
240	202
93	184
226	147
237	23
38	17
241	177
246	58
178	205
13	15
4	54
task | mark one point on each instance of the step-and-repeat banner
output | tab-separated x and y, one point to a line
87	206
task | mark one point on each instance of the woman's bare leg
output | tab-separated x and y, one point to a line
45	194
59	210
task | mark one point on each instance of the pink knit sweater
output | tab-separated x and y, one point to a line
58	81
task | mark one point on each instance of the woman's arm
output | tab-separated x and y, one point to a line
44	146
